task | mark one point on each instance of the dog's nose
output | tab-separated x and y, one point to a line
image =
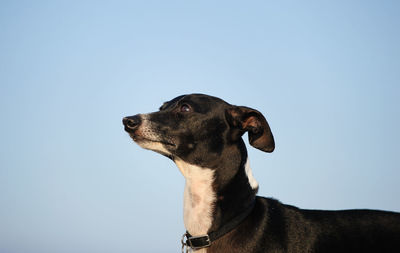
131	122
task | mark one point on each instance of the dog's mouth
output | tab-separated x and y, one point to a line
138	138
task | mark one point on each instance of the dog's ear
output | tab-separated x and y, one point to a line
250	120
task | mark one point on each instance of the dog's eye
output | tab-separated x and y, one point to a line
185	108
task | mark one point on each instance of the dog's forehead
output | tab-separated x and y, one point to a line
170	103
200	100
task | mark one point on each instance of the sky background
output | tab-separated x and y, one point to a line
324	73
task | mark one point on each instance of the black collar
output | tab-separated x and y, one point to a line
204	241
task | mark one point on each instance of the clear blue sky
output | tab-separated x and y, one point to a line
324	73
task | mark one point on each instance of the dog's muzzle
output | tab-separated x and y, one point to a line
131	123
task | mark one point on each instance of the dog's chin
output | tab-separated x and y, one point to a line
158	146
140	140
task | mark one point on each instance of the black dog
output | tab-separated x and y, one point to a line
202	135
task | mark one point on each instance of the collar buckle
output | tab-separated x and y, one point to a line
198	242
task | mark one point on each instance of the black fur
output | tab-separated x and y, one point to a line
206	131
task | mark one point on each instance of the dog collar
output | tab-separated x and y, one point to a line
204	241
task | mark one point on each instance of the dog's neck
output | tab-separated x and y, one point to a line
208	205
199	197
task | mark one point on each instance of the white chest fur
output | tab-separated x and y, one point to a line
199	197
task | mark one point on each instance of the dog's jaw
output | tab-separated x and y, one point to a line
199	197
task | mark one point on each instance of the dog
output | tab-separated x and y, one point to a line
203	136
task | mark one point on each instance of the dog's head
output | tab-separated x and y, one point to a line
198	129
